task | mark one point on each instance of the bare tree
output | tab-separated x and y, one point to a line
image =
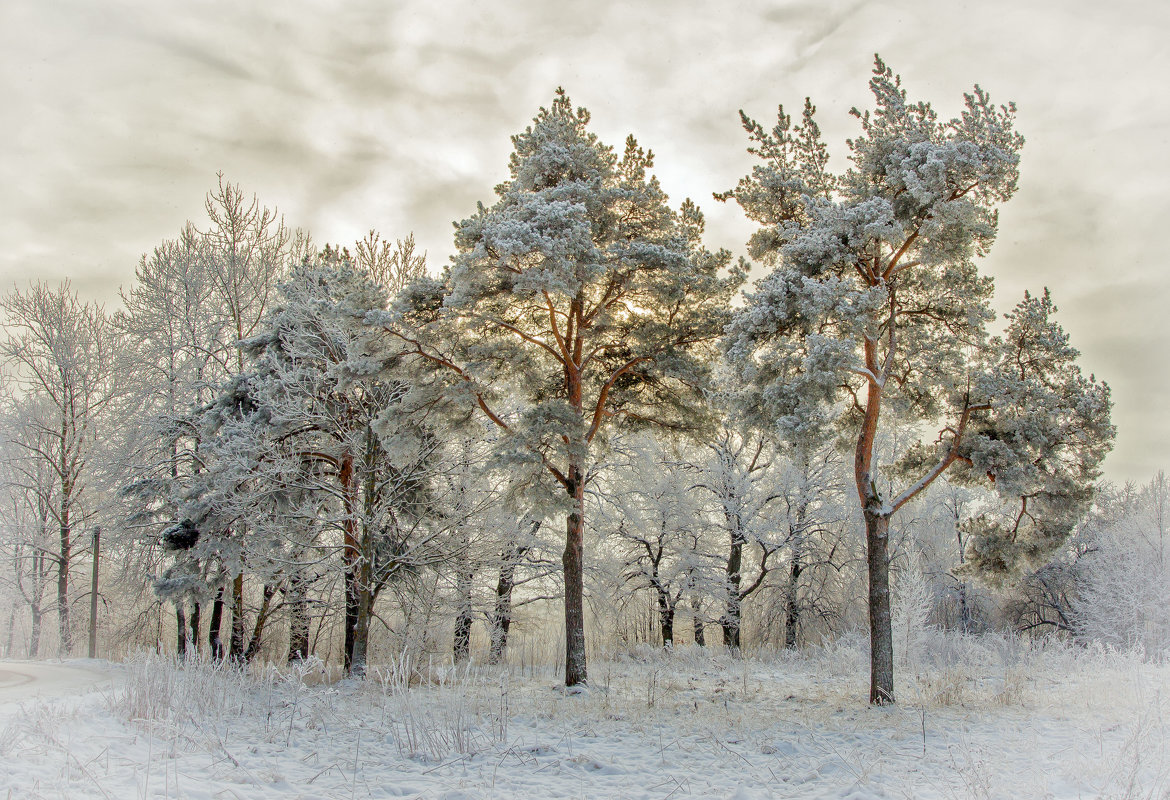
391	265
64	353
28	541
174	334
659	526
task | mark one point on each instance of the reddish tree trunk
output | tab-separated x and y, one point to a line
877	527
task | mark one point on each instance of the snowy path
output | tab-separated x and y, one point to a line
23	680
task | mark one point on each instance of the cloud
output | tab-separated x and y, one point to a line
398	116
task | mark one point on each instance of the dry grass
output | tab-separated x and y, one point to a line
970	708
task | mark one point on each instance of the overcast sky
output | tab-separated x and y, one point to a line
396	116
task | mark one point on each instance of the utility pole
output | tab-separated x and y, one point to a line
93	593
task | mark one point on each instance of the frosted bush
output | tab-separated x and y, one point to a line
1124	598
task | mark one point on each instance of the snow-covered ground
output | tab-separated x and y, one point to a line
23	680
982	718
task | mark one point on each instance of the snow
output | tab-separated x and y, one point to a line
1017	721
21	680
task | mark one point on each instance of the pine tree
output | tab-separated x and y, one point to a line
310	451
874	304
582	299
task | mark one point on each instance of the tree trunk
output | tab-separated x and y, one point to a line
666	621
180	630
236	643
298	616
34	636
93	593
352	556
40	579
881	634
964	609
502	613
261	618
365	607
461	646
730	625
732	616
351	612
464	578
361	631
877	528
214	637
792	610
193	637
573	562
966	621
365	593
65	641
11	631
698	623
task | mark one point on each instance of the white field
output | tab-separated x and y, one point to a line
987	717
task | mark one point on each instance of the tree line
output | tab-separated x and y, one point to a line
310	445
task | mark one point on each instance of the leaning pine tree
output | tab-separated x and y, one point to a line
874	304
578	301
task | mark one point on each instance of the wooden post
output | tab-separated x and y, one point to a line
93	593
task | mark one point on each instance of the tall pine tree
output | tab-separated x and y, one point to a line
580	300
875	306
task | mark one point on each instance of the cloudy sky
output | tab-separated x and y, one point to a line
396	116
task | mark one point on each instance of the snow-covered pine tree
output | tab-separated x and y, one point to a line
874	303
315	432
1041	441
582	297
247	250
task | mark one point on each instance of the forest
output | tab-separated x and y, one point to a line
587	438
